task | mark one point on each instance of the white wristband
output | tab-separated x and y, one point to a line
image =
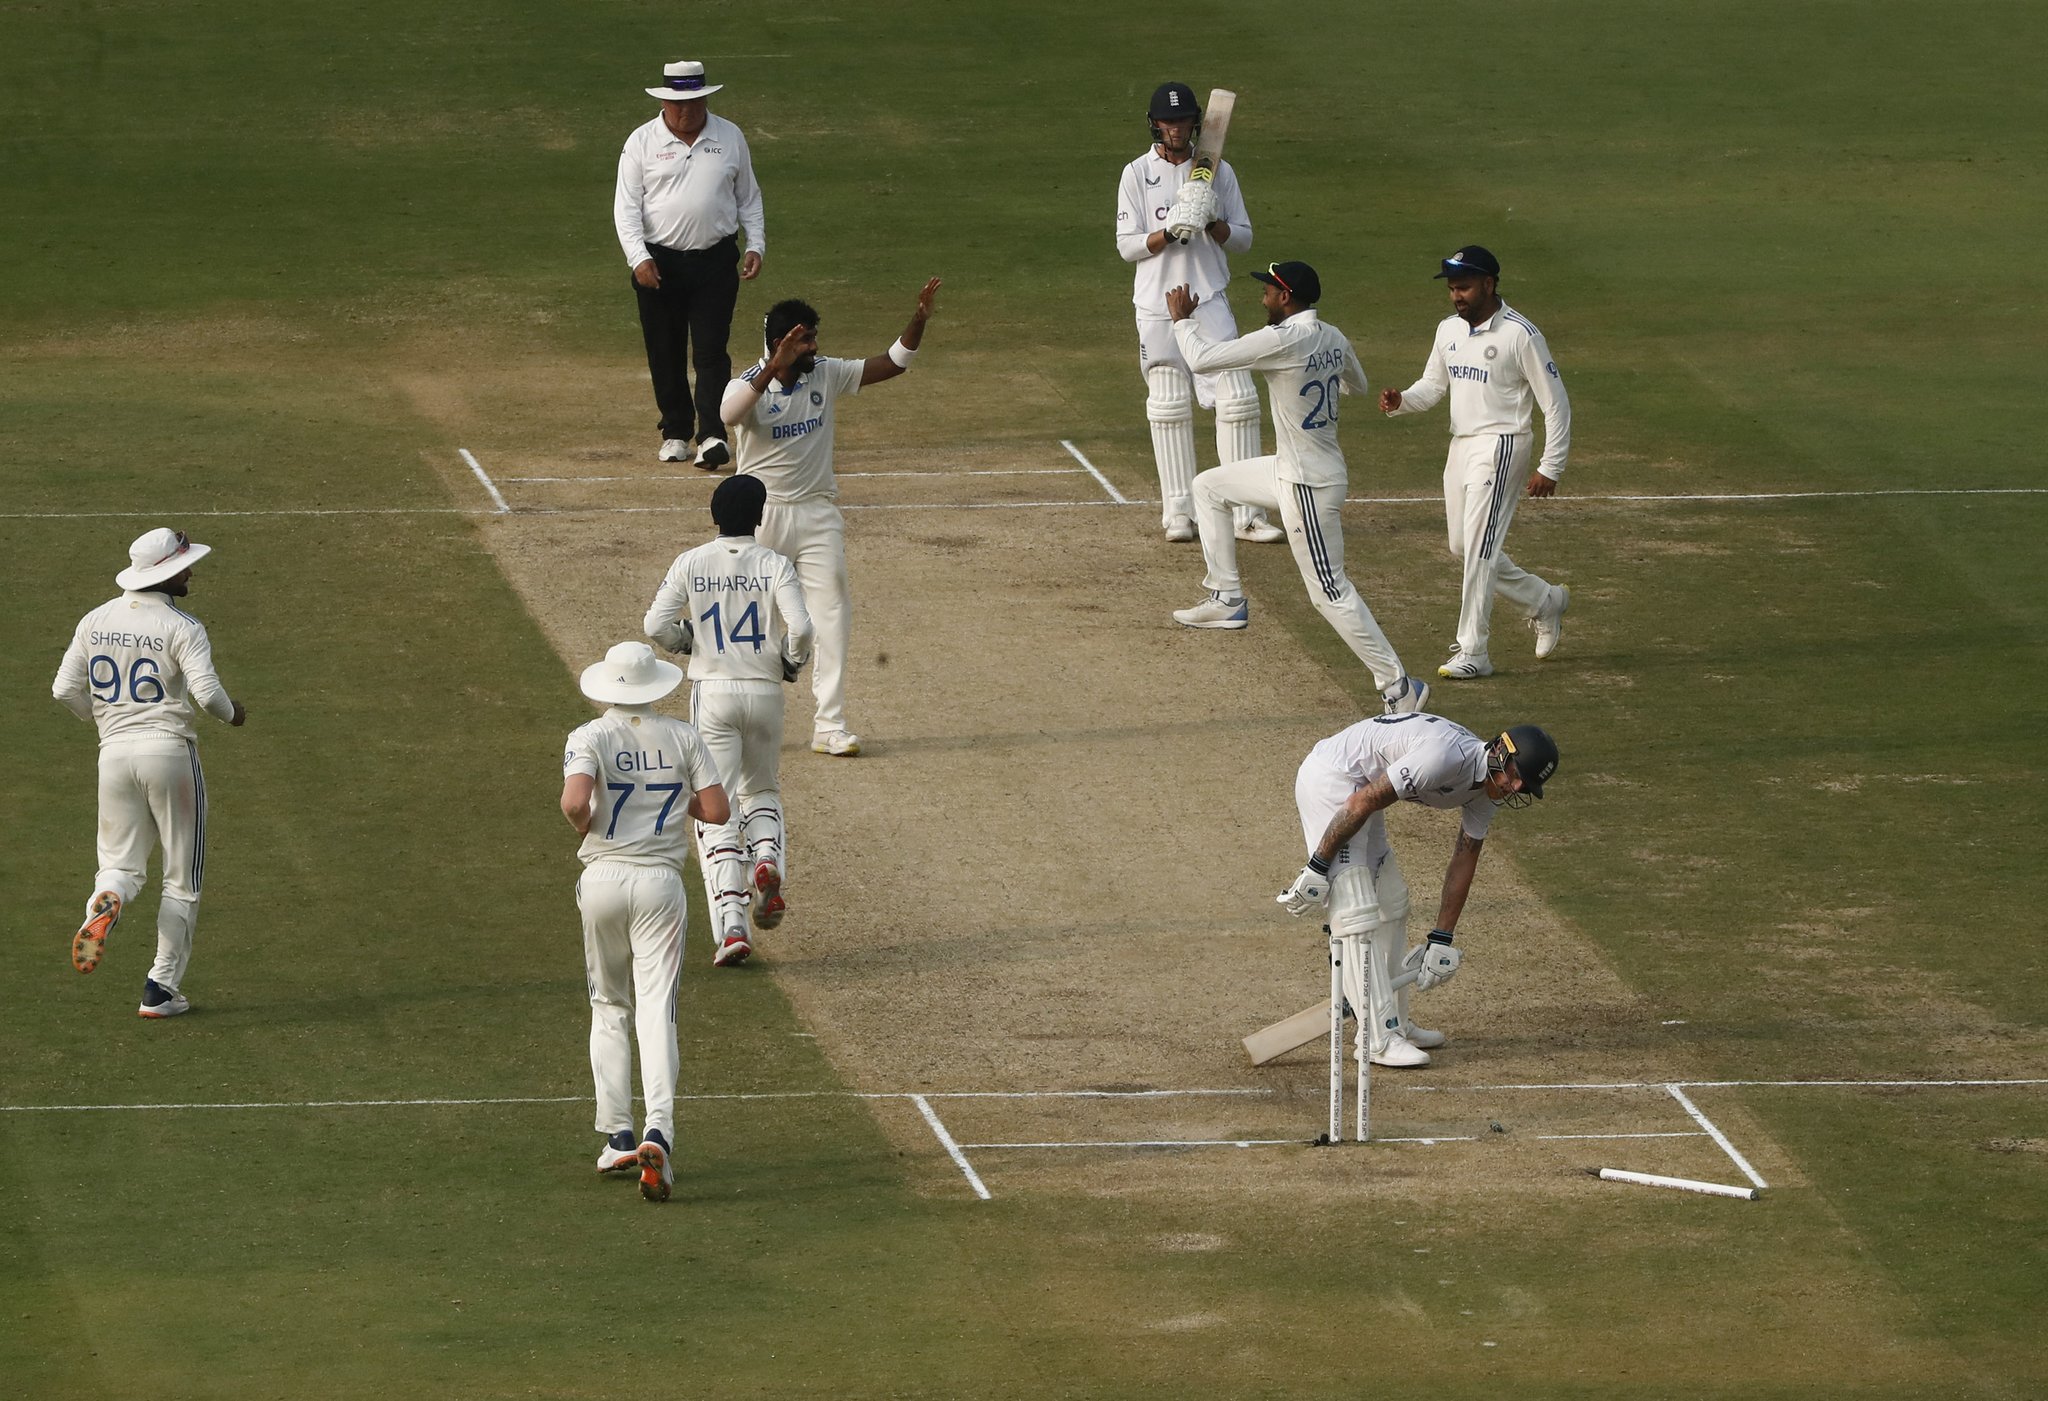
902	355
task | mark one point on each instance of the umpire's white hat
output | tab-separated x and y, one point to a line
631	674
161	554
683	81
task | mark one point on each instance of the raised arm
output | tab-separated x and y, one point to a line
898	357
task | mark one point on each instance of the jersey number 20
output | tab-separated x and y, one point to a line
1324	411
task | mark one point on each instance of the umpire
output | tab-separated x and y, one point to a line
686	189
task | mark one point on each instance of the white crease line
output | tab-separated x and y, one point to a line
1721	1138
484	477
1727	1085
1682	1184
959	1158
1114	495
1560	1137
842	476
1152	1143
585	1099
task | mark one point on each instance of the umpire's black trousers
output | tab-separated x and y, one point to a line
692	309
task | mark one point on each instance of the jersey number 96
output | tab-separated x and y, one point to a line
144	687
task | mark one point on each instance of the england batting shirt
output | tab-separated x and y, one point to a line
743	600
683	194
646	766
1492	372
134	666
1429	760
786	438
1308	364
1149	187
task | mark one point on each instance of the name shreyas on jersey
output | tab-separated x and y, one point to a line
797	430
731	583
127	639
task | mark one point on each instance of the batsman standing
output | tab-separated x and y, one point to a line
1493	362
621	778
1342	790
781	412
1177	231
735	607
134	667
1309	366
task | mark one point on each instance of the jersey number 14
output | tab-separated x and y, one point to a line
746	628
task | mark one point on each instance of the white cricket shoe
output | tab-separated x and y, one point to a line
621	1153
159	1001
1400	1054
1460	667
91	939
712	454
1406	696
673	450
769	906
657	1171
1549	620
733	949
1180	529
1422	1036
1260	532
843	743
1214	612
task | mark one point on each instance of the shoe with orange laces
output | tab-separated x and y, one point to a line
103	914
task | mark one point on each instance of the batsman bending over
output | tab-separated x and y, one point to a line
1344	786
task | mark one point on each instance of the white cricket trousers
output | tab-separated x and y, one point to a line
1314	522
633	921
1483	477
1368	904
811	534
741	724
152	793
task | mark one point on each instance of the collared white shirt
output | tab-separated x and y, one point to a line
742	600
135	665
1428	759
683	194
647	766
786	438
1493	371
1148	189
1308	365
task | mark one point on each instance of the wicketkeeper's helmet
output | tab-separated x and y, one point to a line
1173	102
1534	754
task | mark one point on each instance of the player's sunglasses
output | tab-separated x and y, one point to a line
183	545
1273	271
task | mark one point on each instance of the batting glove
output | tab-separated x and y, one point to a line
1194	209
677	637
1310	891
790	668
1439	961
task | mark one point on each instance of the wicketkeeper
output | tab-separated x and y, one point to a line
1344	786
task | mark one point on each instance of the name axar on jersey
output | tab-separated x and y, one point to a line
749	631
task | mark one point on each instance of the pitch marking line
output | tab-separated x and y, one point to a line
924	1107
481	475
585	1099
1741	1163
1731	1085
1114	495
842	476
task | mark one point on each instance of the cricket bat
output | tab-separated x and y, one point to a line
1292	1033
1215	127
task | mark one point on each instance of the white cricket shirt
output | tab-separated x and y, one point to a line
1429	760
1308	365
134	666
646	766
1492	372
1148	189
743	600
683	194
786	438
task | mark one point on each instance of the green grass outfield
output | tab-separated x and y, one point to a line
1775	248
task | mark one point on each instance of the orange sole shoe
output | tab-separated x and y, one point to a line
91	939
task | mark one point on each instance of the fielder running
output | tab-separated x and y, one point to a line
1344	787
622	779
134	665
735	607
1308	365
1177	230
781	412
1492	361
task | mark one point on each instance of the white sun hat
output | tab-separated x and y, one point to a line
682	81
631	674
159	555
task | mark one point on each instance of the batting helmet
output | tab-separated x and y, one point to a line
1534	754
1173	102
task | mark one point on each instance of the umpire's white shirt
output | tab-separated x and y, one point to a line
1148	189
1429	760
1308	364
135	665
647	766
1493	372
683	194
786	438
743	600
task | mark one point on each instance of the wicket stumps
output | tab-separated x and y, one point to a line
1343	947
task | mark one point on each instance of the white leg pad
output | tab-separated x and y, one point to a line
1237	432
1170	406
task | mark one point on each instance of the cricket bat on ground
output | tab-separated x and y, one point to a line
1292	1033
